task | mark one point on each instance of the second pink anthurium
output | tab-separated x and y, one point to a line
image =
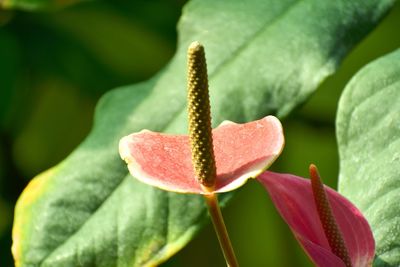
241	151
331	230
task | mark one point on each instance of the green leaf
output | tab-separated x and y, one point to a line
263	57
368	132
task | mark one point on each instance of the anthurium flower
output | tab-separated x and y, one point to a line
241	151
331	230
206	161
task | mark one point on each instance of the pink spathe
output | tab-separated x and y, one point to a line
293	197
241	151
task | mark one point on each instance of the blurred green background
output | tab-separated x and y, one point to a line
55	65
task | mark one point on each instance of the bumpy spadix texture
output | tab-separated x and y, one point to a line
293	196
241	151
328	220
199	114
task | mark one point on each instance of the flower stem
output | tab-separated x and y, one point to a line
220	229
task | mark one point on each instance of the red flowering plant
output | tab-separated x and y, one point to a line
331	230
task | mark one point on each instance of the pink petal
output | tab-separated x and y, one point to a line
241	151
319	255
292	195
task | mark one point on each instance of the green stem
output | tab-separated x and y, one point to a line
220	229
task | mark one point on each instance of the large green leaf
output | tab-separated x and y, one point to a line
368	131
263	57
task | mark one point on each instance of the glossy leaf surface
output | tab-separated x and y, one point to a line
368	130
263	57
